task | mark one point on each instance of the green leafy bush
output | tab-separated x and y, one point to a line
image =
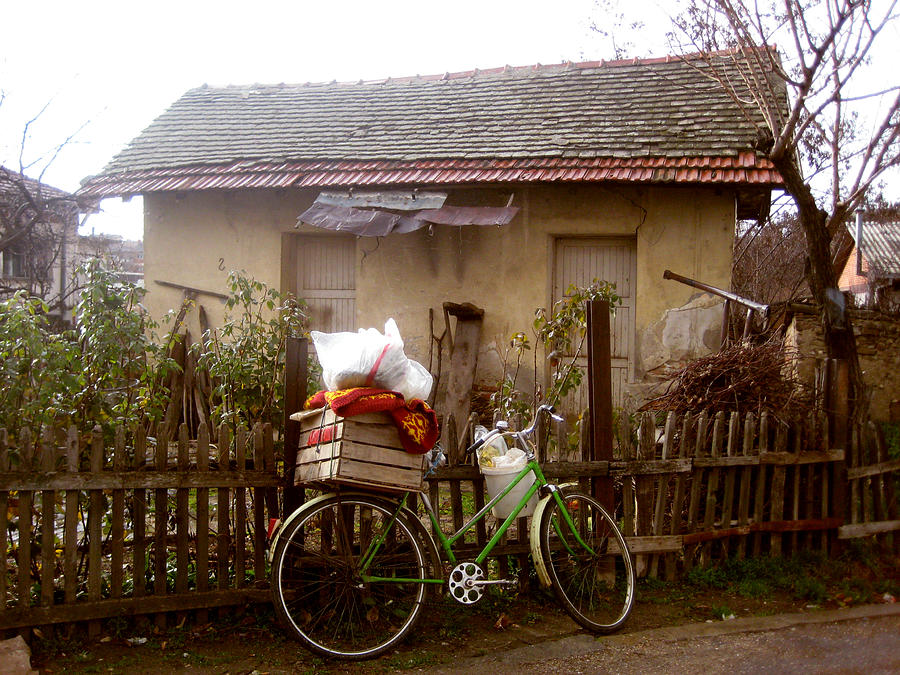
562	332
245	357
107	370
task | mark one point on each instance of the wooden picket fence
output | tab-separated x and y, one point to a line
92	530
146	527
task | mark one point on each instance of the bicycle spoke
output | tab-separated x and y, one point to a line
593	580
319	587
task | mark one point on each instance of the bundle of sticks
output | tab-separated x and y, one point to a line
744	377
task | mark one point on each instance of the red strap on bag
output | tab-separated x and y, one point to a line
370	379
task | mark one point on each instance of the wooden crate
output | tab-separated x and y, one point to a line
363	450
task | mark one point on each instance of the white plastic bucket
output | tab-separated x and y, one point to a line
497	478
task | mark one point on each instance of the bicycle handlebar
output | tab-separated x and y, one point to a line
527	431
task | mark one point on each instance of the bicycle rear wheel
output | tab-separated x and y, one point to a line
347	577
588	562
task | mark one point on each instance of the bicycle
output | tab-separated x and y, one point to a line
351	569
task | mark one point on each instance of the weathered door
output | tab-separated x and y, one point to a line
326	279
578	262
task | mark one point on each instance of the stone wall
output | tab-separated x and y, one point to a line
878	344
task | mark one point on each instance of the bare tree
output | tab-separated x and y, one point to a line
815	120
37	223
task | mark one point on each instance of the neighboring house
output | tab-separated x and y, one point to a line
124	256
616	170
38	230
872	271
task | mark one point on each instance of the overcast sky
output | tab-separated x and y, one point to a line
112	66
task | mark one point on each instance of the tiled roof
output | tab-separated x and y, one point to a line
48	199
651	120
881	248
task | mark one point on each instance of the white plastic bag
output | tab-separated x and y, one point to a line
368	358
492	451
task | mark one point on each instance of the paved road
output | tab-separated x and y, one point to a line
861	640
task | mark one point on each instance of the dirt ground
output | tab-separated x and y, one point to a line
250	641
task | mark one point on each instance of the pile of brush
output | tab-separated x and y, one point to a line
743	377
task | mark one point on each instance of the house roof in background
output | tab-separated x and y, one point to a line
653	120
881	248
13	188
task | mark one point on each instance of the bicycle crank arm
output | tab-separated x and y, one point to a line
496	582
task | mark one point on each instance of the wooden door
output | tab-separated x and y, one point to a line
326	280
578	262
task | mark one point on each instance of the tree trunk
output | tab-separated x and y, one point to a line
837	328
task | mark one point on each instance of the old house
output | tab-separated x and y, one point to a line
38	232
872	271
496	187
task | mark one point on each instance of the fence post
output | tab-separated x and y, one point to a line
295	377
600	397
838	422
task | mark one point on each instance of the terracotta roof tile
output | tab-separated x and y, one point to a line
654	113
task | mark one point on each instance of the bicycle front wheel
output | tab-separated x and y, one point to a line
588	562
347	577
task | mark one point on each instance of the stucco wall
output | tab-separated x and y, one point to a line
196	238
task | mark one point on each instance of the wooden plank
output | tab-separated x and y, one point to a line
852	465
712	484
805	457
23	590
745	480
223	505
662	490
364	452
259	512
878	469
555	470
95	529
652	544
202	520
70	522
456	504
693	515
375	429
734	429
776	508
128	607
456	400
160	526
295	377
879	483
4	517
759	498
139	517
646	452
182	521
795	488
240	511
628	495
129	480
269	467
117	521
654	467
48	525
857	530
600	399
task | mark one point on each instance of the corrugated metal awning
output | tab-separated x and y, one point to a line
377	222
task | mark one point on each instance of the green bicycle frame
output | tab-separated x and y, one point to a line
447	542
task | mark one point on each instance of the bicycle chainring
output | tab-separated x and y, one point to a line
463	583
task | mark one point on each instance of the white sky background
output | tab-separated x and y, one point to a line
114	66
